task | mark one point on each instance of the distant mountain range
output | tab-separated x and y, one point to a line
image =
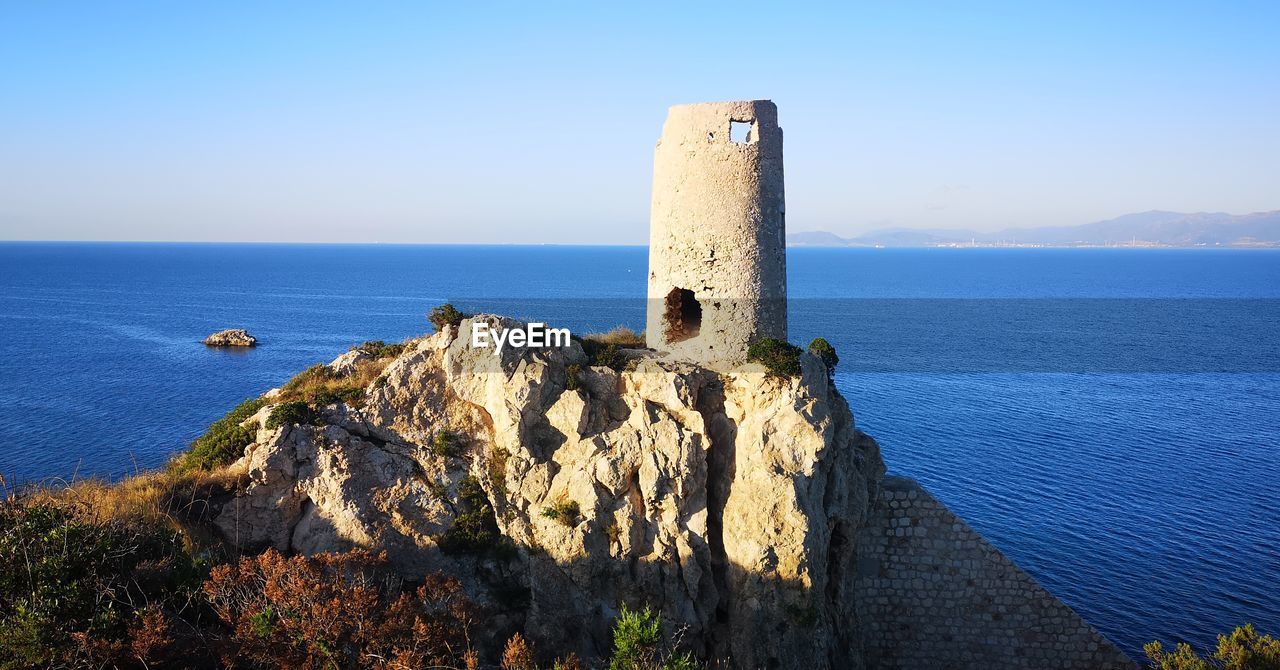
1146	229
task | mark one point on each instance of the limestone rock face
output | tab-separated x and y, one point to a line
235	337
347	363
749	511
725	501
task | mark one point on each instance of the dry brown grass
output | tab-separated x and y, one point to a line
320	385
181	500
621	337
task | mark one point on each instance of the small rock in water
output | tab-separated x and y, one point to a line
235	337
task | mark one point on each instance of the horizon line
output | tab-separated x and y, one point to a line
867	247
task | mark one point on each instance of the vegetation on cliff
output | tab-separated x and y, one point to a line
84	590
475	528
605	349
620	336
445	315
320	384
289	412
87	590
826	353
378	349
638	644
1241	649
224	441
781	359
338	611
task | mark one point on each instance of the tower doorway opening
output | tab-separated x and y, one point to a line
682	316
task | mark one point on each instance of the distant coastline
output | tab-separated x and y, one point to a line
1146	230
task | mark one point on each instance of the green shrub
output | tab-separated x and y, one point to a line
1242	649
604	355
566	512
446	444
475	527
782	359
571	381
294	411
637	644
446	314
637	639
225	440
379	349
328	395
826	353
803	616
75	591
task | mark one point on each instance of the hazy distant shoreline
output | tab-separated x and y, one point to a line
1154	229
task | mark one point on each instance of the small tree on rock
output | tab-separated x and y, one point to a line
826	353
445	314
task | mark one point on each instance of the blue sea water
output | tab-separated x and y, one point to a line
1108	418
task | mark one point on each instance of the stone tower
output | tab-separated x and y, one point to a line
717	232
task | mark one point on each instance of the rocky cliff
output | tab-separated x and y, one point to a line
730	501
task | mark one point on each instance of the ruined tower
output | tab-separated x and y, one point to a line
717	232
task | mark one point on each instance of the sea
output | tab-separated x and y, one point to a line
1109	418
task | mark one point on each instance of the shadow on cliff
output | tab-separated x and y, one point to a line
788	630
730	614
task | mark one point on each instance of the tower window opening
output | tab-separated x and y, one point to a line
742	132
682	317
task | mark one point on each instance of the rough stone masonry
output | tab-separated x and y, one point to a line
933	593
717	245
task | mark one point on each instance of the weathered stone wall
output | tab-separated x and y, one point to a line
717	229
932	593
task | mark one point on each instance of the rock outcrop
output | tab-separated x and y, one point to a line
348	363
234	337
729	501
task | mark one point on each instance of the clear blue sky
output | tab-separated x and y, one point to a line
535	122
